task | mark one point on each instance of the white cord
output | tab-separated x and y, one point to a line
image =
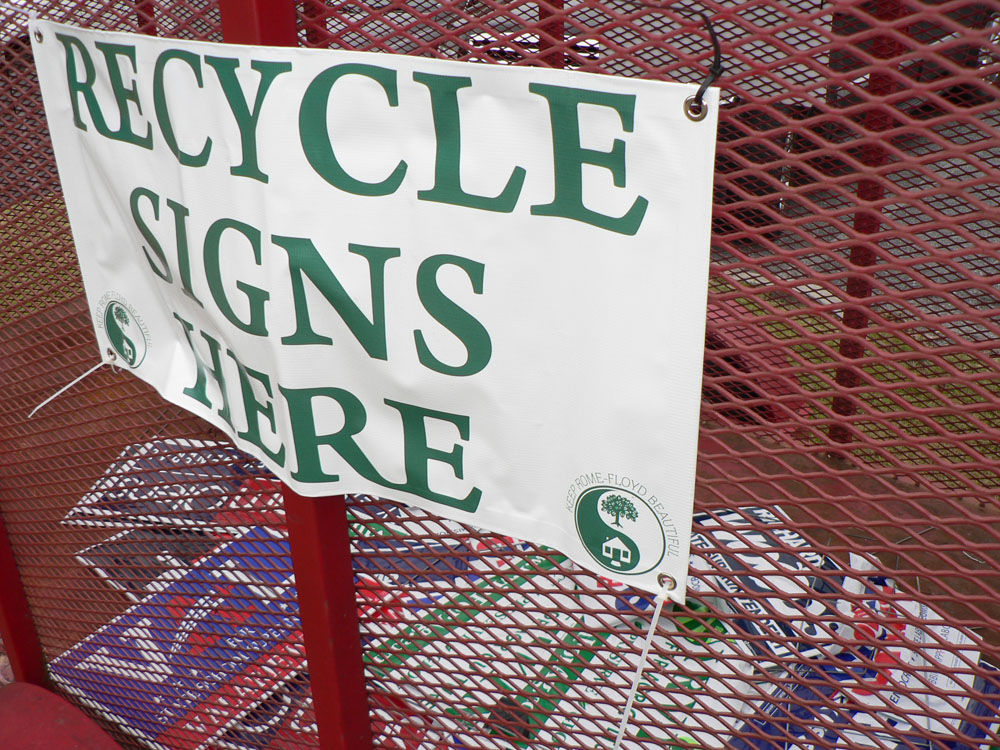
65	388
626	714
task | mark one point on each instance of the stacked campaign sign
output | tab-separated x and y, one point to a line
815	708
198	546
283	720
538	686
196	650
751	554
175	500
165	482
227	618
909	676
475	289
134	561
212	640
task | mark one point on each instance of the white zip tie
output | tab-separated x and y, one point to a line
668	584
65	388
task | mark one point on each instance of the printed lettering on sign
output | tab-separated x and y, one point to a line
463	287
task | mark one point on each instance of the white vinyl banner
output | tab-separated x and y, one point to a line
478	289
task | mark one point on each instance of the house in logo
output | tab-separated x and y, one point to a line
601	513
615	551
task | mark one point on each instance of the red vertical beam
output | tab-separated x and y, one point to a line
16	625
324	578
867	220
259	22
317	527
314	13
552	33
145	16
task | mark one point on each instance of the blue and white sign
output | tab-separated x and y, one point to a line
177	481
194	646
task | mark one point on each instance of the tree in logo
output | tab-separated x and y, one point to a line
121	316
618	506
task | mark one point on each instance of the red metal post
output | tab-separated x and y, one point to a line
259	22
145	15
867	220
552	33
16	625
317	527
314	14
324	578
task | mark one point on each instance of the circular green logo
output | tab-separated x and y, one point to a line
125	333
619	529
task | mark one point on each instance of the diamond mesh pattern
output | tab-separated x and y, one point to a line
850	399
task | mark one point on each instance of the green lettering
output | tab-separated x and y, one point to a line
124	95
181	213
469	331
304	261
315	136
163	113
159	266
417	454
246	117
447	168
308	441
256	297
82	87
569	156
254	409
199	391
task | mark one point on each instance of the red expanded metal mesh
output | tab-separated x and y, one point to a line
850	398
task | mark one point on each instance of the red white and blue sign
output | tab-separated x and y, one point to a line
198	650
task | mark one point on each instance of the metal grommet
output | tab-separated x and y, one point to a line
667	582
111	359
695	109
38	36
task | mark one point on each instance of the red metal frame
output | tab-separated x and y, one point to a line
850	382
867	224
17	627
324	579
259	22
317	527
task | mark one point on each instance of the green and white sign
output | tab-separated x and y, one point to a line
478	289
